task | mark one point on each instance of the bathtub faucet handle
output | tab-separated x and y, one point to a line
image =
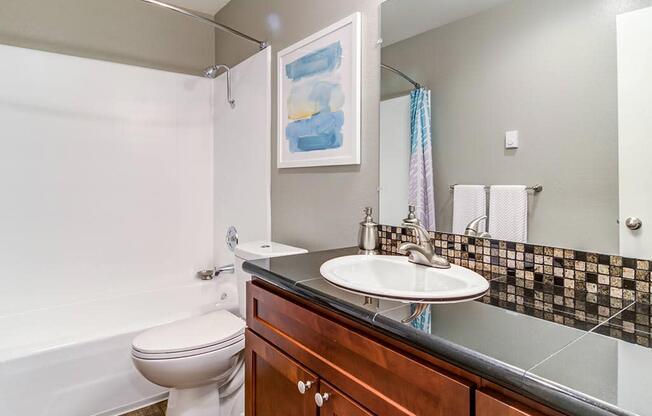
206	274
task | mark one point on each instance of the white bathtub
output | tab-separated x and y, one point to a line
75	360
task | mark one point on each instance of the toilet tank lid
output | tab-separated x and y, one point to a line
265	249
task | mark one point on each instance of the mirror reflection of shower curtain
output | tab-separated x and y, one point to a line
421	189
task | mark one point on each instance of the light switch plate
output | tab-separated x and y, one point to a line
511	139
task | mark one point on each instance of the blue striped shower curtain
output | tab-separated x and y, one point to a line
421	191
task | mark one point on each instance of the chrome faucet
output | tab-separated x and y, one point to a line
215	272
423	252
473	228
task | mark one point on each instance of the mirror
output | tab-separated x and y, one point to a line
542	92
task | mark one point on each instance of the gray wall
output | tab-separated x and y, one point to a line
547	69
319	207
125	31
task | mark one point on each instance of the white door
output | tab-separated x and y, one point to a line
635	130
394	159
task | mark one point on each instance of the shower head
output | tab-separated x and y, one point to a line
212	71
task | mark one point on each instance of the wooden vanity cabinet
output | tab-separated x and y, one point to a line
273	386
271	382
356	371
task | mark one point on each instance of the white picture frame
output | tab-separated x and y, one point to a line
318	98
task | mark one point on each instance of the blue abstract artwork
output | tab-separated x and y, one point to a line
318	101
319	132
324	60
315	101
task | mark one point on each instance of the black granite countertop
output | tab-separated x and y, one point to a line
580	367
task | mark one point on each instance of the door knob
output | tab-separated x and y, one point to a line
320	399
304	386
633	223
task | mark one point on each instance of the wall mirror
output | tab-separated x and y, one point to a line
551	96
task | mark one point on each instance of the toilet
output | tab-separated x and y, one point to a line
201	359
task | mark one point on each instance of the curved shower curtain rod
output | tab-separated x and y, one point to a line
261	43
401	74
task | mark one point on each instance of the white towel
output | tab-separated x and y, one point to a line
469	203
508	212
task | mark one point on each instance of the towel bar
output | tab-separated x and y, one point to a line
536	188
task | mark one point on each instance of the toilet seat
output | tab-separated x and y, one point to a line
188	337
188	353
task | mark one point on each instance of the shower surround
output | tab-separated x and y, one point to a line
116	181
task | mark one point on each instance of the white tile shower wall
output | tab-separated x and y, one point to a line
394	170
242	154
106	179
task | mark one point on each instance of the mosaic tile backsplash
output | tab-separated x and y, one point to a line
570	287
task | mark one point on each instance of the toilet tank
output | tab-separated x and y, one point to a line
252	251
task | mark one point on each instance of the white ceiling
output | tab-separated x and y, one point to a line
210	7
402	19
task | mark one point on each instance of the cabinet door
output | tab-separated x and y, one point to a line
271	382
488	403
335	403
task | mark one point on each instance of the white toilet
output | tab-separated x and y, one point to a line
200	359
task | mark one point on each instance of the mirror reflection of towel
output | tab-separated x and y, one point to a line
469	203
508	212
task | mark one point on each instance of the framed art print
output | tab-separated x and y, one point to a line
319	98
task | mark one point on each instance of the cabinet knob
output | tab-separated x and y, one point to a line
304	386
321	398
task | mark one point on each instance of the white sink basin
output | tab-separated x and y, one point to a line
393	277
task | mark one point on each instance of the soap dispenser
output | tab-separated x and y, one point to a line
412	216
368	240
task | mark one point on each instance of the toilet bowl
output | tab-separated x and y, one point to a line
193	357
201	359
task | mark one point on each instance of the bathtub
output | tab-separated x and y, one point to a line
74	360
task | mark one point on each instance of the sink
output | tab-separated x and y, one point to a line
395	278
